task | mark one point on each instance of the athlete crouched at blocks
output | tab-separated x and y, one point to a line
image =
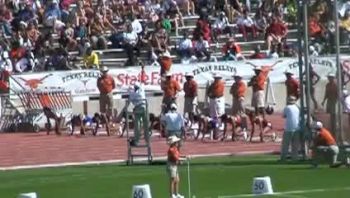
238	124
206	125
324	145
89	123
263	124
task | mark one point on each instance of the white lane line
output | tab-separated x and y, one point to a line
54	165
289	192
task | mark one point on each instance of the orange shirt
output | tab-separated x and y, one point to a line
331	91
259	80
165	63
238	89
325	138
173	154
292	87
216	89
105	84
191	88
170	88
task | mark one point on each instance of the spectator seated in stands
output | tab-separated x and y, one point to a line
275	33
246	24
221	26
22	58
232	51
59	60
52	15
260	21
5	20
172	9
99	26
258	54
136	25
159	40
166	22
152	9
67	38
345	28
184	47
130	42
202	29
91	60
202	49
316	29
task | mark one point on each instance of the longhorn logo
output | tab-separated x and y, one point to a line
34	83
84	81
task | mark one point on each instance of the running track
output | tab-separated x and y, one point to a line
27	149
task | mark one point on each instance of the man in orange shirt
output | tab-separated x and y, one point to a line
237	91
191	93
292	85
324	144
331	96
106	84
172	168
170	88
215	93
257	83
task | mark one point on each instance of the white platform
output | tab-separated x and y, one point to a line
141	191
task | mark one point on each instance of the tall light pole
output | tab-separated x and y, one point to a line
301	35
339	135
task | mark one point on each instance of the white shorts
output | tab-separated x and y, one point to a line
258	99
172	171
216	107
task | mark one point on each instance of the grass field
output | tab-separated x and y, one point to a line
210	178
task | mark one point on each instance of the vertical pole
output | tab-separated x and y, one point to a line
301	83
85	107
306	61
339	76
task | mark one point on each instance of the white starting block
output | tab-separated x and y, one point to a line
141	191
262	185
28	195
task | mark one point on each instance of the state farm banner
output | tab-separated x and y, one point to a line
83	82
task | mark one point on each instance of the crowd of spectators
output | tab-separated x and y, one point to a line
40	35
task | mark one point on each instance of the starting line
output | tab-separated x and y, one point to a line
288	192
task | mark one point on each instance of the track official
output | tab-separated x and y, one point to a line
106	84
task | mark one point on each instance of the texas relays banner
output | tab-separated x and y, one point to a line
83	82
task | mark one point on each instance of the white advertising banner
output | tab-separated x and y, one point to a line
83	82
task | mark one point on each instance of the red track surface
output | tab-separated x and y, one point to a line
37	149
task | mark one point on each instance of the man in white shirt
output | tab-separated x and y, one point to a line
291	133
221	26
138	98
130	39
136	25
174	122
185	47
246	24
201	49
